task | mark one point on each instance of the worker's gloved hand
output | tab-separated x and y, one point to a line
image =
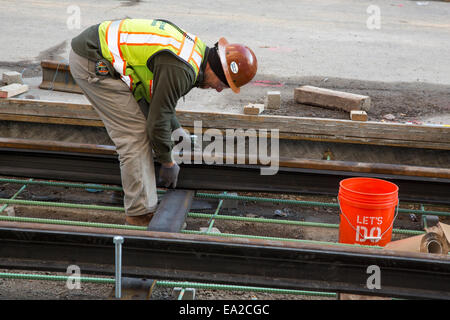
168	174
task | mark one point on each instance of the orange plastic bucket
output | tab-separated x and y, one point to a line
368	209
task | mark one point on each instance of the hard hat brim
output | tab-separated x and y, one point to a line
223	59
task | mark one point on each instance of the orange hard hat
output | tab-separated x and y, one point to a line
238	62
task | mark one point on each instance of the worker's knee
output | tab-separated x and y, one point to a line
132	148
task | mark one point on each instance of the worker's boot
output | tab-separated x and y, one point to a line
142	220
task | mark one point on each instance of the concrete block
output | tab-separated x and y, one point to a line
253	109
10	77
273	100
358	115
189	293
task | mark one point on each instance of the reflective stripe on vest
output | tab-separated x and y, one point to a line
112	39
186	48
118	40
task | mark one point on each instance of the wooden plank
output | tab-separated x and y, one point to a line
341	139
331	98
52	120
12	90
358	115
317	129
49	109
253	109
320	126
49	145
368	141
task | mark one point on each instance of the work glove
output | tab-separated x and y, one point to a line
168	176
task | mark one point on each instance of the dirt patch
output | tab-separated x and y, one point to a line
406	102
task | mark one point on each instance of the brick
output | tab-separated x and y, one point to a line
273	100
358	115
253	109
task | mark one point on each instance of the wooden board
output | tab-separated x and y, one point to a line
326	129
253	109
298	128
358	115
331	98
12	90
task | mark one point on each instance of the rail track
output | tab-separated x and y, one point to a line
232	260
177	256
99	164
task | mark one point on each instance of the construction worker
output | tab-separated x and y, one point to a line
133	71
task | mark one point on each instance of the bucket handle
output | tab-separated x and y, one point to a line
365	238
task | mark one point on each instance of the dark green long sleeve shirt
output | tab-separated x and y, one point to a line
172	79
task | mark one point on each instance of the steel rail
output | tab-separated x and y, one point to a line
56	76
174	256
333	165
104	169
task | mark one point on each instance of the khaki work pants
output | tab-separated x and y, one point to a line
126	126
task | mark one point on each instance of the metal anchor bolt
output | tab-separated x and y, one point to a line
118	240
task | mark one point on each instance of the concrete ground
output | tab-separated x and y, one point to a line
386	41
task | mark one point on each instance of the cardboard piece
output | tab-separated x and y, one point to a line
436	241
446	230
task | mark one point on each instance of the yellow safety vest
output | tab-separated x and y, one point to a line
129	43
